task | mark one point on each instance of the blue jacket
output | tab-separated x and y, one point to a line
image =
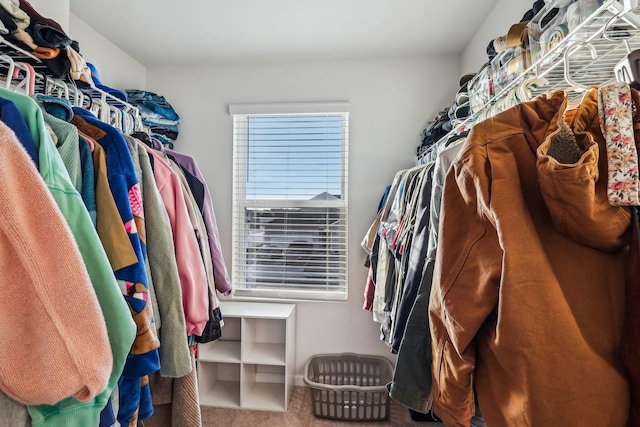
10	115
143	358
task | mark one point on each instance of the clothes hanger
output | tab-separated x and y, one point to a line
572	84
94	106
139	126
41	84
130	122
105	111
27	84
628	68
100	109
57	88
575	91
525	90
147	140
8	62
76	97
79	98
115	117
125	122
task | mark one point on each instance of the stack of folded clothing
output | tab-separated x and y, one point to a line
447	119
460	109
158	116
44	38
517	33
434	131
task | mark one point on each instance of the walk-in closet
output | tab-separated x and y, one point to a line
339	213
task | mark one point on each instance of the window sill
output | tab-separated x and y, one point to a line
242	296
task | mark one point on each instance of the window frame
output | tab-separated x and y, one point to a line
240	114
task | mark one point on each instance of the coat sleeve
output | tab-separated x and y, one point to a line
221	275
175	360
191	271
54	341
464	291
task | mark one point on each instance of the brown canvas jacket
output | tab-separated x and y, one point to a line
527	302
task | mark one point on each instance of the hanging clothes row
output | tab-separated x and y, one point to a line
525	292
403	302
136	226
139	238
504	272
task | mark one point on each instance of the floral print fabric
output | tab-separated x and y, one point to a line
615	106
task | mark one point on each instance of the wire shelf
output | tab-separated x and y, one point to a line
585	57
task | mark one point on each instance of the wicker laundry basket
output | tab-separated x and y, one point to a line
348	386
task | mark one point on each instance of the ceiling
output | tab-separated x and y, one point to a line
160	32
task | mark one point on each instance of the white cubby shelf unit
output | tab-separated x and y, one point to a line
252	365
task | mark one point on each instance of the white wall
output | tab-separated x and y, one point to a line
504	14
390	102
58	10
117	69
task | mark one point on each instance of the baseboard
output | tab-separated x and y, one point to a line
299	381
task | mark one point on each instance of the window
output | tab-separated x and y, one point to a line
290	200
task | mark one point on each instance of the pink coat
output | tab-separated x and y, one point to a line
193	279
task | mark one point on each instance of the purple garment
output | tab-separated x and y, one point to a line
220	274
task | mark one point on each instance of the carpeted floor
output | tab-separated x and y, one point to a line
300	414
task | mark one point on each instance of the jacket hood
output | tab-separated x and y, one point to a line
573	179
574	192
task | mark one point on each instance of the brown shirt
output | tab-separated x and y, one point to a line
112	234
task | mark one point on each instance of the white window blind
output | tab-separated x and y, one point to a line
290	200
